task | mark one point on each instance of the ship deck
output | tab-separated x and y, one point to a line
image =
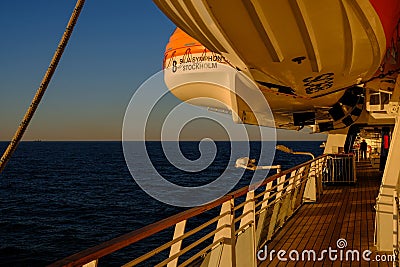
344	211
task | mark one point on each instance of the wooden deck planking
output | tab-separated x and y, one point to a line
344	211
315	227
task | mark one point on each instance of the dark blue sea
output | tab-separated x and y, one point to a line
58	198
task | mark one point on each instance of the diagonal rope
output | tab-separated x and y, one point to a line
43	86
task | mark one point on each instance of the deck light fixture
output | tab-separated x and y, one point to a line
290	151
250	164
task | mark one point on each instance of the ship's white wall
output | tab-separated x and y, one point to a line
335	142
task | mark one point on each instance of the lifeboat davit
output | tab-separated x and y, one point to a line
309	59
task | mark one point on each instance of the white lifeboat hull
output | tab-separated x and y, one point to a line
302	55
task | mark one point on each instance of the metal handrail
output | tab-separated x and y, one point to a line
99	251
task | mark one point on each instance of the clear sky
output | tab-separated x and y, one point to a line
116	46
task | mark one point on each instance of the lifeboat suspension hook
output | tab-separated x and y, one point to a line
43	86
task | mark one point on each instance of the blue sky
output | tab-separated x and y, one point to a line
115	47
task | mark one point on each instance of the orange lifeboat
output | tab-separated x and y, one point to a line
183	49
197	75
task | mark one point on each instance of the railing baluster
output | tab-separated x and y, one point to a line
310	194
91	264
245	246
224	252
319	175
291	189
263	214
274	218
175	248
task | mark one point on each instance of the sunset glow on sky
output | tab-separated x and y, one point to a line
115	47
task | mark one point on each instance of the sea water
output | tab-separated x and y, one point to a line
58	198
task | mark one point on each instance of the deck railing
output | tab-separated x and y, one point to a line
340	169
226	232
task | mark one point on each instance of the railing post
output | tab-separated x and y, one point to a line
319	175
175	248
293	182
310	194
91	264
224	253
263	214
276	208
354	169
245	247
